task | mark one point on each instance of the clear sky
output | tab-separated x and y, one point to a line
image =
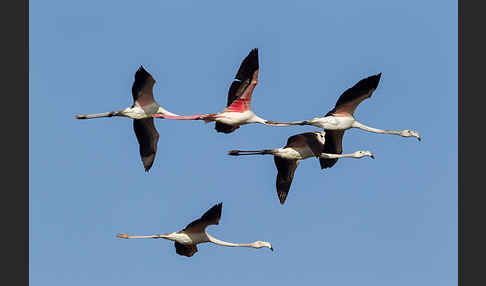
389	221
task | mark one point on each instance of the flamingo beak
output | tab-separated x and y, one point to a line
372	156
122	235
271	248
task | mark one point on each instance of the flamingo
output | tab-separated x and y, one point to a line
299	147
186	240
141	111
341	118
237	111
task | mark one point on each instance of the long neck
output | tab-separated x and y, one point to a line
230	244
337	156
356	124
97	115
256	152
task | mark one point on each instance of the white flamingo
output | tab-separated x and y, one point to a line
341	117
298	147
186	240
141	111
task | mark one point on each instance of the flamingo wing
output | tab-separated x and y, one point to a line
352	97
241	89
225	128
285	175
147	137
308	139
333	145
211	217
142	88
185	249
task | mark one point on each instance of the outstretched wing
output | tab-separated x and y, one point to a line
142	88
308	139
211	217
353	96
333	145
147	137
286	169
240	91
185	250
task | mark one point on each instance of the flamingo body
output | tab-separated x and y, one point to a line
333	122
238	109
186	240
299	147
141	111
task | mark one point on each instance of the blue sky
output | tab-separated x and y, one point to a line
389	221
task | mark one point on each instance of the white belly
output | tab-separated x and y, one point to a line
135	113
292	153
333	122
235	118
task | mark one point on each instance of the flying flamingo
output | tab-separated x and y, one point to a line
186	240
341	118
141	111
299	147
237	111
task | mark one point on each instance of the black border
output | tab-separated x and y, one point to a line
15	142
460	10
471	203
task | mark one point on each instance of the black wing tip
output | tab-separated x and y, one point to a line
218	208
253	55
374	80
248	66
141	73
141	69
282	196
148	161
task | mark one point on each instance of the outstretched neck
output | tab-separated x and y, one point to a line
224	243
359	125
357	154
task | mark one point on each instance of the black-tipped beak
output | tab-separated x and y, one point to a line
419	138
271	248
372	156
233	152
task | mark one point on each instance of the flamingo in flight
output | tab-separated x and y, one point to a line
186	240
299	147
341	118
141	111
237	111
